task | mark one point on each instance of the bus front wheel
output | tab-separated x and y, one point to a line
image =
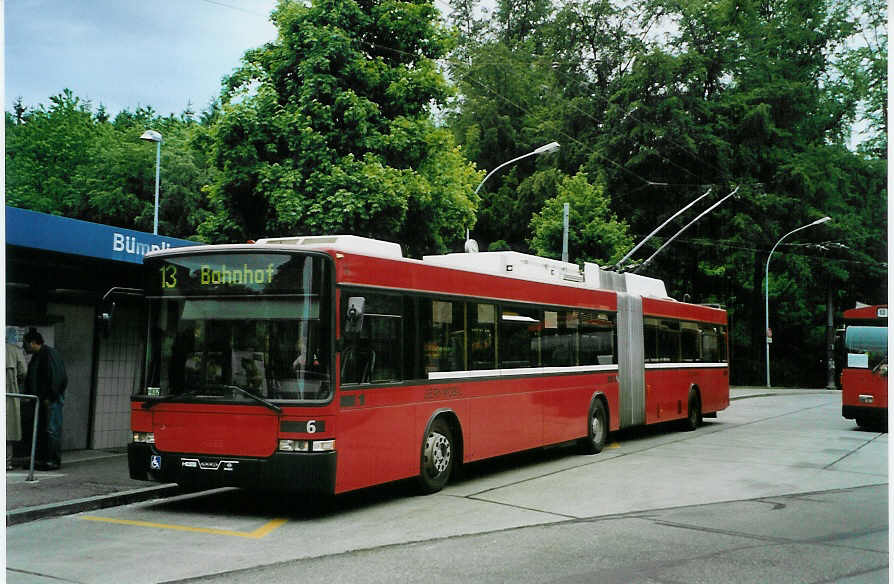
437	457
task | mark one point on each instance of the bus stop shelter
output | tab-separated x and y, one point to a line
57	271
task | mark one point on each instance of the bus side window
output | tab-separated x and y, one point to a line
650	339
482	336
711	343
520	329
597	339
690	349
559	340
374	353
669	341
443	335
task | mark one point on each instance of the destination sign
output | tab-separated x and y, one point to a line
221	274
235	274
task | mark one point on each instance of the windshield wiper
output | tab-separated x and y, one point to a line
187	394
257	398
166	398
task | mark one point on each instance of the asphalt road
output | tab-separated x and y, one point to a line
778	489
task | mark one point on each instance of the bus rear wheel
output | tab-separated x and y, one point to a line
597	432
437	457
694	418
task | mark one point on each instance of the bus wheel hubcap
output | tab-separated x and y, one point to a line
596	426
438	453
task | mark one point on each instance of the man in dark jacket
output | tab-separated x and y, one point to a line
47	380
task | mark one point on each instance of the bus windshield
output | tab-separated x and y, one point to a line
238	327
867	347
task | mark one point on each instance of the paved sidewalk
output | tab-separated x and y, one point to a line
88	479
94	479
744	392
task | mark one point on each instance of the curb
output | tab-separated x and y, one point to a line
27	514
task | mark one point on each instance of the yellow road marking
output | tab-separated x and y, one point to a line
614	445
256	534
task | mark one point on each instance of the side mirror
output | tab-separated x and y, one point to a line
354	316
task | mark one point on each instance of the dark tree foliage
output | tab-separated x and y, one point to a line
662	101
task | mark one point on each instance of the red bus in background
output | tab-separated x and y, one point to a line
333	363
864	375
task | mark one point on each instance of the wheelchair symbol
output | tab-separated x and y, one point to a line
155	462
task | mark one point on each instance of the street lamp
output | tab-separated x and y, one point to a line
153	136
546	148
767	287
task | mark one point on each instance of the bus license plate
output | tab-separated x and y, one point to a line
224	465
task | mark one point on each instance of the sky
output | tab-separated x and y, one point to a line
124	54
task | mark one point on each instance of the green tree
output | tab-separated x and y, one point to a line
66	160
120	182
518	21
506	111
748	95
864	68
47	152
528	81
595	234
763	95
468	27
329	129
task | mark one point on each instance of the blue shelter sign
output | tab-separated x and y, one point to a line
72	236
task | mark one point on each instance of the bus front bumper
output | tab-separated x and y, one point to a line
283	471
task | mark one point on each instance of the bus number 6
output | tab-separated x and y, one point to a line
311	426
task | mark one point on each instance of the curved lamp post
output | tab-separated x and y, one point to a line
153	136
546	148
767	287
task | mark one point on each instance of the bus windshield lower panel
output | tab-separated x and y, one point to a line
229	342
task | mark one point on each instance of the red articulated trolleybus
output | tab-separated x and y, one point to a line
864	376
333	363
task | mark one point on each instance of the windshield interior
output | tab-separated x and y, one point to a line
226	340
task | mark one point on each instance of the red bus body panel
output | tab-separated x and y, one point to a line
667	391
377	444
222	430
416	276
867	313
680	310
857	382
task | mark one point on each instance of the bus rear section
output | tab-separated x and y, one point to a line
864	376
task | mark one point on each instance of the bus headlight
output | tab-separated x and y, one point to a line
306	446
294	446
323	445
144	437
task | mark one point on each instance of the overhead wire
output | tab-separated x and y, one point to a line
727	244
234	7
